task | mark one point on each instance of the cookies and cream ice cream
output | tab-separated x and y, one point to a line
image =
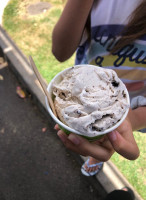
90	99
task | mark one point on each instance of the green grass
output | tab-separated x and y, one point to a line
134	171
32	34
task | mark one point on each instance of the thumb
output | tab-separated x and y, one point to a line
125	148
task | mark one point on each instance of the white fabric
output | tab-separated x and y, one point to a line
109	11
108	18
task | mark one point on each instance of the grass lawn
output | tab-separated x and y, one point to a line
134	171
32	34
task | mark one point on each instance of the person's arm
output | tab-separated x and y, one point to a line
68	30
137	118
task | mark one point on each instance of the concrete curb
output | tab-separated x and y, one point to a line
110	177
21	64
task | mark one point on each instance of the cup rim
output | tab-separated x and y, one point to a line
73	130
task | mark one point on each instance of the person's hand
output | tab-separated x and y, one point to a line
101	149
121	140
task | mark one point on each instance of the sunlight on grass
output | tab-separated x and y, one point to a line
134	171
33	34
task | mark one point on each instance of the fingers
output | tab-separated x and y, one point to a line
125	130
56	127
126	148
121	140
104	142
84	147
72	145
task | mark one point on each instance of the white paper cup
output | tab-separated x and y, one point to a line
57	79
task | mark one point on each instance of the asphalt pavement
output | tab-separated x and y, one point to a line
34	164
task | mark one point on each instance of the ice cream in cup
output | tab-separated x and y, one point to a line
90	101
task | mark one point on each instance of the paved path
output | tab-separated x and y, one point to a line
34	165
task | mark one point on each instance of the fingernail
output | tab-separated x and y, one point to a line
74	140
113	135
61	136
55	127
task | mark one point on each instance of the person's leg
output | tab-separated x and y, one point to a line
91	167
123	194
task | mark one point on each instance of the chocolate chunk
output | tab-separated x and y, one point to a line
123	93
115	83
